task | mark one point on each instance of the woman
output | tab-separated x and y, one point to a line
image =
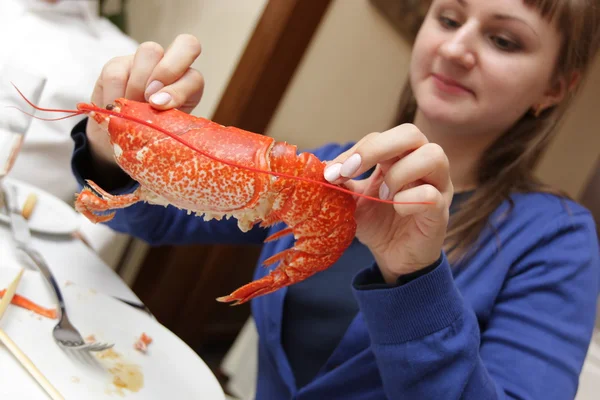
501	304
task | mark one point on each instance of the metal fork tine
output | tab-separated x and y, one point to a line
70	346
99	346
86	346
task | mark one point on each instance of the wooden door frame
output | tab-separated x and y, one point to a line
179	283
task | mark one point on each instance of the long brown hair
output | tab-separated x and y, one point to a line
517	152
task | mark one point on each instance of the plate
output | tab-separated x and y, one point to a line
169	370
51	215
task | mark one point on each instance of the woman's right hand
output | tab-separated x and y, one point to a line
165	79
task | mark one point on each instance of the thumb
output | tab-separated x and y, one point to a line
368	186
355	186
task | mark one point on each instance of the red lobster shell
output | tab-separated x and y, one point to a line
212	182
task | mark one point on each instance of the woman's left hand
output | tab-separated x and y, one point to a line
403	238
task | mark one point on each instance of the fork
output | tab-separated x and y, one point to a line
64	333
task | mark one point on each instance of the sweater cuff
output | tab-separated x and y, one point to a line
411	311
81	162
373	279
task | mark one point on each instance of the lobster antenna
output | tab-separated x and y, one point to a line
75	112
191	146
45	119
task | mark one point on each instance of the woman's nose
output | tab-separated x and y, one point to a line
459	48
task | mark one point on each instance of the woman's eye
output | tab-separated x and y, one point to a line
448	22
505	44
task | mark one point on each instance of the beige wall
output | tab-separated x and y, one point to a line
570	160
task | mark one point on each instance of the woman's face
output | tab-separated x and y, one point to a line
483	63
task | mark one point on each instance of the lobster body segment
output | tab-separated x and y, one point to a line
320	218
180	176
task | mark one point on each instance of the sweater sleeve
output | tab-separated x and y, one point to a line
157	225
429	345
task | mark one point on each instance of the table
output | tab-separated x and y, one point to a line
75	264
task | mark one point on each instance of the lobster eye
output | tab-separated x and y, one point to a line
110	107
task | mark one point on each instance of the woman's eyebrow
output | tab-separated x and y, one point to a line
513	18
464	3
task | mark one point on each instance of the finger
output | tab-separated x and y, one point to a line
389	145
98	93
368	186
428	164
343	156
425	200
177	59
114	77
333	167
145	60
184	94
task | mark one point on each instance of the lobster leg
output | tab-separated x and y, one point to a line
309	256
88	202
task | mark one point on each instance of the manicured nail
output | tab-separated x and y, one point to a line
161	98
384	191
350	166
332	172
152	88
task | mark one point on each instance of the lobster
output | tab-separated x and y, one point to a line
223	171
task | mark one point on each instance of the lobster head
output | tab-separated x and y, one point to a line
129	123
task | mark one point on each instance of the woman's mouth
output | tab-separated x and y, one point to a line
450	86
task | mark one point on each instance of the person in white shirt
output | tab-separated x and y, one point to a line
67	43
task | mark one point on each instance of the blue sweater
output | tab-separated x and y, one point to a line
513	323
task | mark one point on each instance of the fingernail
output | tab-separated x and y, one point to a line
350	166
384	191
332	172
161	98
152	88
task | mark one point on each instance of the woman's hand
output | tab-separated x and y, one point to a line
163	78
403	238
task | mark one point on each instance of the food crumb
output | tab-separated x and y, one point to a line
74	379
141	344
126	376
108	354
90	338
